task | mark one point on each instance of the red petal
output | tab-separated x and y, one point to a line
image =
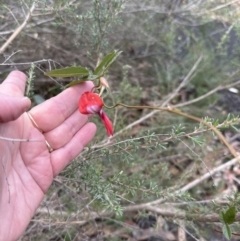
90	103
107	123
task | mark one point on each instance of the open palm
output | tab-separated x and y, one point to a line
26	167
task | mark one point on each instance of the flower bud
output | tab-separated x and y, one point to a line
91	103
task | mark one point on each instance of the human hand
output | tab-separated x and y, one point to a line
27	168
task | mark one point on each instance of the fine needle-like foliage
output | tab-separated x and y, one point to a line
171	90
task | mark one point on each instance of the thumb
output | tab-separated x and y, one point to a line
12	100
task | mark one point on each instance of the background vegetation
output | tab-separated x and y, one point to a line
161	176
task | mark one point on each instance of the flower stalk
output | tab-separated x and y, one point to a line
91	103
189	116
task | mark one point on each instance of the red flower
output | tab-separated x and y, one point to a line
91	103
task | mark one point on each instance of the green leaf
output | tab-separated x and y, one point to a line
106	62
222	217
79	81
227	231
229	216
68	72
235	128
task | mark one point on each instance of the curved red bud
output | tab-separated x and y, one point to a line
107	123
90	103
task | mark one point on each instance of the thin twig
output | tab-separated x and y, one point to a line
217	8
182	215
177	105
29	63
12	14
169	211
185	188
29	25
98	147
208	174
205	202
178	112
10	56
17	31
184	82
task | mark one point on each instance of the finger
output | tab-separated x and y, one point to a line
62	134
56	110
14	84
13	103
62	157
12	107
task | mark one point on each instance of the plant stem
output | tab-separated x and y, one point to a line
179	112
